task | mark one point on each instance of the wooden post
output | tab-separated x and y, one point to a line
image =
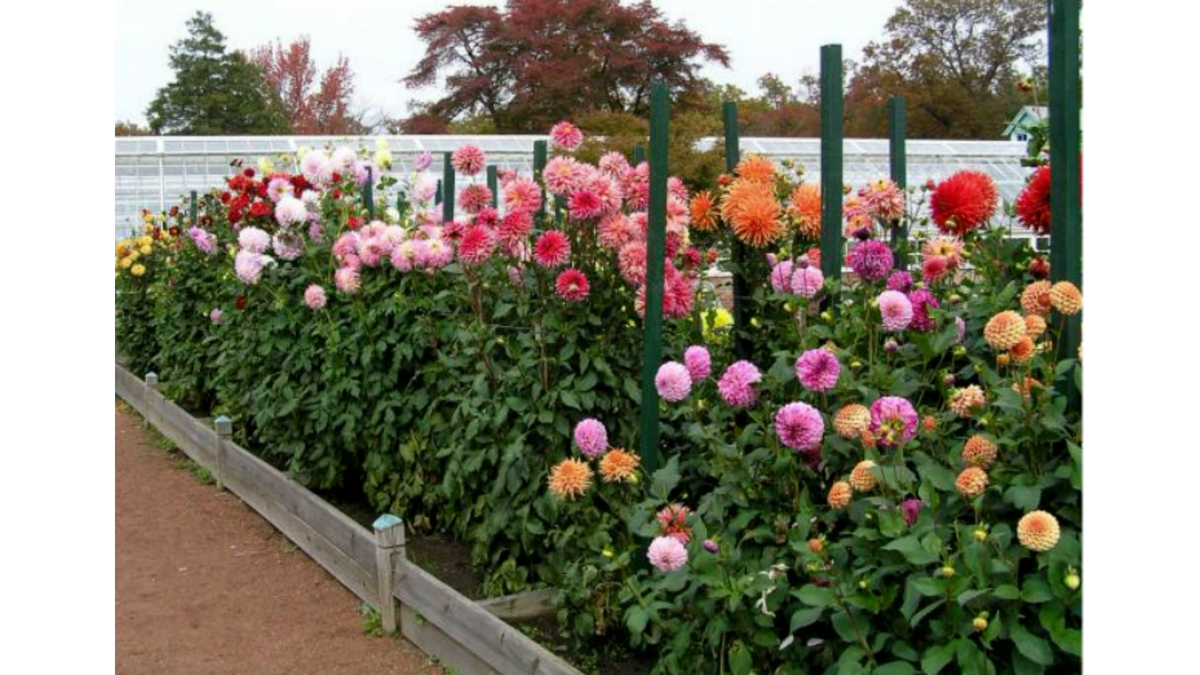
151	402
656	251
389	543
224	428
1066	213
639	154
194	210
741	285
831	167
898	163
447	188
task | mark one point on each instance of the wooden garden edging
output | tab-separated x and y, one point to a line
471	637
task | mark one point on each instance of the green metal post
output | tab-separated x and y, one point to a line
449	190
898	113
401	204
741	281
1066	213
493	184
194	210
831	164
656	250
369	194
639	154
540	159
437	196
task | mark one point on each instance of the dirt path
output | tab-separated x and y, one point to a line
204	585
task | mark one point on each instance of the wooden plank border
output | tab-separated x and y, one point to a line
472	637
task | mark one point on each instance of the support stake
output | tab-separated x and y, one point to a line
897	160
224	428
831	168
656	250
447	188
389	544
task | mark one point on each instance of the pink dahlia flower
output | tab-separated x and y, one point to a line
807	280
346	280
818	370
216	316
515	226
468	159
922	300
667	554
896	310
871	259
572	285
673	382
254	240
566	136
552	249
562	175
477	244
522	195
698	362
800	426
249	266
737	384
591	437
314	296
893	421
475	198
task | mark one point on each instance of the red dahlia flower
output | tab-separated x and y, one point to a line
963	202
572	285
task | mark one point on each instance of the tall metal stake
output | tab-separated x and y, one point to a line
194	210
493	183
540	152
741	286
369	194
656	250
897	121
639	154
831	167
447	189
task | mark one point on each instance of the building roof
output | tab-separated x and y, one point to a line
1029	113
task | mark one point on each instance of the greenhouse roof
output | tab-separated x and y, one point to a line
154	172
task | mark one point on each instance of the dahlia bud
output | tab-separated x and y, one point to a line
847	188
855	365
826	316
949	380
711	546
980	624
930	185
955	298
608	552
1002	360
948	571
960	351
816	545
891	346
862	583
981	534
1072	580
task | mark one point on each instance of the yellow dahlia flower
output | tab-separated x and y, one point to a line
1038	531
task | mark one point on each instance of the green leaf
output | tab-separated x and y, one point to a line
928	586
740	660
805	617
968	596
936	658
945	337
926	612
1006	592
905	651
1077	473
570	400
910	547
633	389
1023	497
972	660
844	626
816	596
1053	619
895	668
1062	367
941	477
636	620
1031	646
1023	666
1070	640
1035	590
665	479
850	662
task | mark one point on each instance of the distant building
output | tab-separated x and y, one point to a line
1028	115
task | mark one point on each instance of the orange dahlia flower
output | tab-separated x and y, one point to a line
839	495
1023	350
1035	299
1035	325
861	477
1038	531
1004	330
805	210
570	478
619	466
753	212
1066	298
979	452
852	420
971	482
704	211
756	168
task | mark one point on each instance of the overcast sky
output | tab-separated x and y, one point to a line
780	36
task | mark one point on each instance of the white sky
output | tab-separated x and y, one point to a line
780	36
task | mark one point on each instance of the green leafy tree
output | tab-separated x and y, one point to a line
214	92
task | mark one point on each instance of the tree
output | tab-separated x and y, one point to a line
540	61
311	106
125	128
214	92
780	110
955	61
